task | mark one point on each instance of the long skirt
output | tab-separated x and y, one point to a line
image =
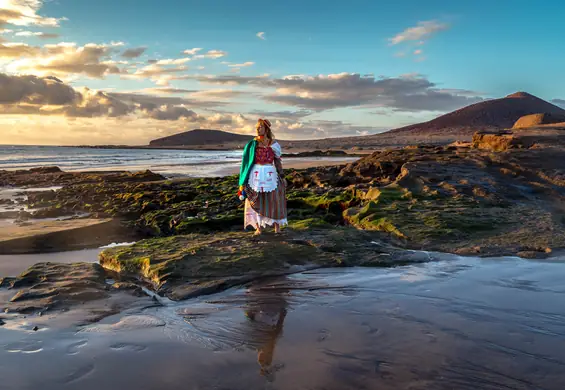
266	208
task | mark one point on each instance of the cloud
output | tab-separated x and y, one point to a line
261	35
218	94
192	52
169	61
212	54
34	90
151	101
38	34
14	50
559	102
418	52
66	59
34	95
233	79
323	92
134	52
159	74
168	90
424	30
243	65
50	96
25	13
69	115
289	115
170	113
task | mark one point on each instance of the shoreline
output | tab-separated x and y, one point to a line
383	210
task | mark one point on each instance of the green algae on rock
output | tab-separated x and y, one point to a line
184	266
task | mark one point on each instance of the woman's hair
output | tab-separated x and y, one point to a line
267	124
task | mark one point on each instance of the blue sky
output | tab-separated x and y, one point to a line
359	67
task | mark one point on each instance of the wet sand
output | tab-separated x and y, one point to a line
461	323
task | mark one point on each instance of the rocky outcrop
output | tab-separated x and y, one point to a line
185	266
534	120
498	141
50	286
53	176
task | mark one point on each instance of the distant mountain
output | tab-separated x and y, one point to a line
490	114
200	137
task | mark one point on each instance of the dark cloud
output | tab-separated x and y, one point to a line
282	114
404	93
170	113
35	91
559	102
134	52
50	96
146	100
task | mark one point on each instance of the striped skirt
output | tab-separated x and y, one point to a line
266	208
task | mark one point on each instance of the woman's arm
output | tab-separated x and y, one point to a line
278	160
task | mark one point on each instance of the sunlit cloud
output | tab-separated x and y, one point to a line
420	32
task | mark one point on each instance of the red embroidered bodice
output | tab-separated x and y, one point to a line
264	155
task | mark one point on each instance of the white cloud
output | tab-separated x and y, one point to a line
212	54
261	35
25	13
38	34
192	52
160	74
243	65
418	52
422	31
178	61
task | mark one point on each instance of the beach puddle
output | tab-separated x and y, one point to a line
459	323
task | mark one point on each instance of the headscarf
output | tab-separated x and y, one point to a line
265	122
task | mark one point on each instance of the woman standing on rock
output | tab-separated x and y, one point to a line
261	181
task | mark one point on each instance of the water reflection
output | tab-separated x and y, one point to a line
463	324
266	310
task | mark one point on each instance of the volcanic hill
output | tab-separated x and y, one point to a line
487	115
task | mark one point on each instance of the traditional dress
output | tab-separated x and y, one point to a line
261	180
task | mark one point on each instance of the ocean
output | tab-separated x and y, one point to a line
169	163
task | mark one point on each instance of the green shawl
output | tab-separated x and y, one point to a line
247	162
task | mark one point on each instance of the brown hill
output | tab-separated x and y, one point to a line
534	120
487	115
200	137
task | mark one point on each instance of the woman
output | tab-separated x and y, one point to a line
261	181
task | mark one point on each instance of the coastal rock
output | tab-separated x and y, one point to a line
53	176
47	286
423	196
498	141
185	266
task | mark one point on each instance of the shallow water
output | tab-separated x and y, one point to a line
13	265
462	323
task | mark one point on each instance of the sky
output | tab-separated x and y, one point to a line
125	72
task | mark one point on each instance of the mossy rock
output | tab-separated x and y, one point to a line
187	265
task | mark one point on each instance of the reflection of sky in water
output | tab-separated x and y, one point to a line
460	323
